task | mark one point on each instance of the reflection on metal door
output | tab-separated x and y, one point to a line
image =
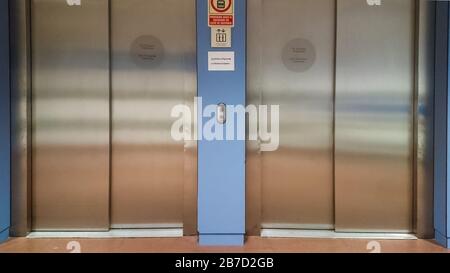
70	63
291	64
153	69
106	75
374	122
366	183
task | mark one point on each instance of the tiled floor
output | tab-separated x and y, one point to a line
189	244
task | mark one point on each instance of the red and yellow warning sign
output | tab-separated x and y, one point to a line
221	13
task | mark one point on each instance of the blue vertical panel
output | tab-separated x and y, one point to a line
442	125
221	163
4	123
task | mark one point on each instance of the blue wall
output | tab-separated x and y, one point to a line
442	126
221	171
4	123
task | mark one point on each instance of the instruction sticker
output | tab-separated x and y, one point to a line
221	61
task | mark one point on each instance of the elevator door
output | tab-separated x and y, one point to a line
374	120
153	69
105	76
291	46
342	73
70	104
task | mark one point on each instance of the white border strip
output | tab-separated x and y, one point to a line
328	234
147	226
117	233
297	226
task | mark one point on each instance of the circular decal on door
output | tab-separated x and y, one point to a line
147	51
299	55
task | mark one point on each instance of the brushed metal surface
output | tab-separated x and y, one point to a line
374	116
70	108
296	180
153	69
254	97
190	176
20	118
424	118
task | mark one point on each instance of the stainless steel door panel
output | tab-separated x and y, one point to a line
374	122
153	69
70	104
297	179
